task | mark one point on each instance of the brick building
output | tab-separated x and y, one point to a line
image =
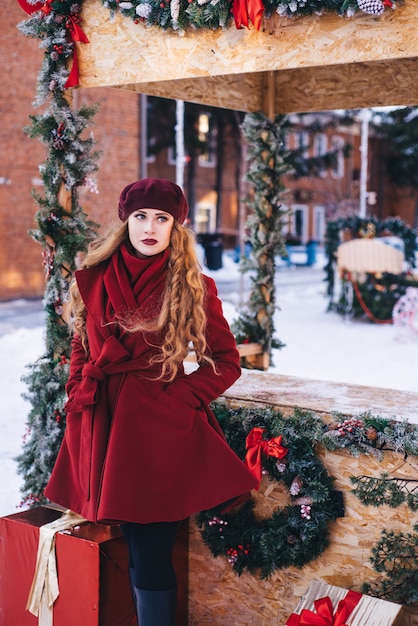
117	131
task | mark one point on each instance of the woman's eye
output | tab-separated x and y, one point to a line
162	218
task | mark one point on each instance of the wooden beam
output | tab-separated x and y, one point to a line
121	52
350	86
240	92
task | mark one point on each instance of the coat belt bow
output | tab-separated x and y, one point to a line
113	359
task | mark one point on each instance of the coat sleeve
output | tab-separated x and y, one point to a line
77	360
204	385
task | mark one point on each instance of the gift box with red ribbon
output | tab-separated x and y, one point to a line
326	605
91	567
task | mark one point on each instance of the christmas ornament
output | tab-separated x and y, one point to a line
373	7
405	312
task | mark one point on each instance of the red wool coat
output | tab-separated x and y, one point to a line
136	449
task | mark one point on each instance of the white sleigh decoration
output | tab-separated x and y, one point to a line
405	314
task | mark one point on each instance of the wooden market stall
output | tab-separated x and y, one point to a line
304	64
216	592
311	63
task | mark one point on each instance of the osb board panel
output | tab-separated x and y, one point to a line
217	596
350	86
241	92
357	85
121	52
323	397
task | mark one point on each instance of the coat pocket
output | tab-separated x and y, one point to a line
177	410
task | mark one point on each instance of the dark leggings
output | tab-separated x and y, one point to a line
150	554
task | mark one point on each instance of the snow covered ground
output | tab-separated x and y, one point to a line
319	345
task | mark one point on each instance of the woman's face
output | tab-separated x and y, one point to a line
150	231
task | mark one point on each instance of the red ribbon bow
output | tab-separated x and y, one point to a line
324	615
256	446
243	10
76	34
74	31
42	5
30	8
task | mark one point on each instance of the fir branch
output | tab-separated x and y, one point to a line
396	556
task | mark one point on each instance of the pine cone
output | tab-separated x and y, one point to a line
372	7
371	433
295	486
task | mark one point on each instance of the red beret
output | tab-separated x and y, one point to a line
153	193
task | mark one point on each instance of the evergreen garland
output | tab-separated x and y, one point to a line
386	490
294	535
63	231
396	556
370	434
269	161
179	14
266	224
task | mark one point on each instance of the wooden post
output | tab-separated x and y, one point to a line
269	94
252	354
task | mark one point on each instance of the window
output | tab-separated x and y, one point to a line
337	143
300	222
320	144
171	156
207	137
205	220
161	114
302	141
319	223
320	147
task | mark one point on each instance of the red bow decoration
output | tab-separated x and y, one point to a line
74	31
243	10
324	613
76	34
42	5
256	446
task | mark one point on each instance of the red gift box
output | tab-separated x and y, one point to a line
326	605
92	565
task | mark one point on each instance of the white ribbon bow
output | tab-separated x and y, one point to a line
44	590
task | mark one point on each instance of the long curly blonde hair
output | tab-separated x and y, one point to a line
182	317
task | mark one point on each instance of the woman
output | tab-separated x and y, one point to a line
141	447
